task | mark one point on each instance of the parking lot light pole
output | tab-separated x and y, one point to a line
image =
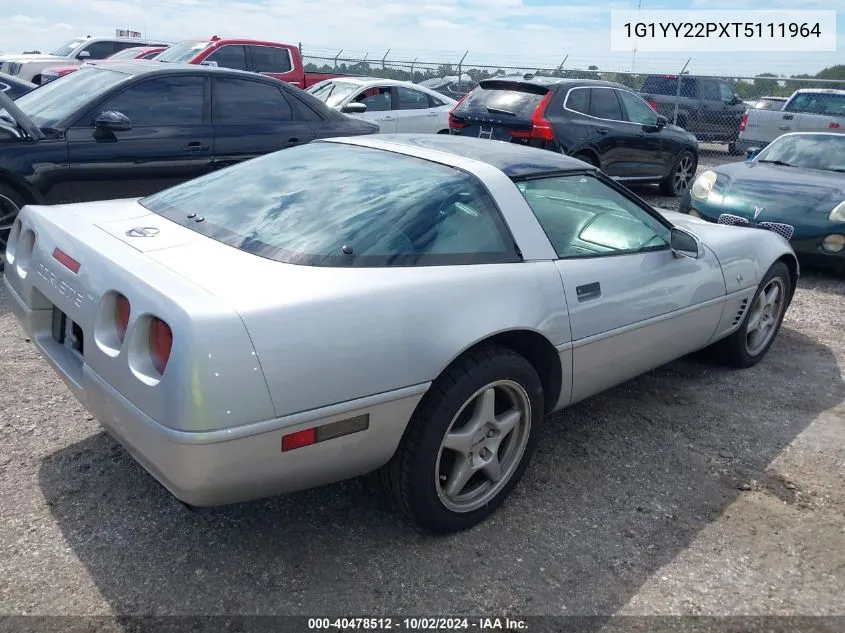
678	92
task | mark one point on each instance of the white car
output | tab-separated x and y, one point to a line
29	66
397	106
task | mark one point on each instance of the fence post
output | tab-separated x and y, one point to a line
383	59
412	68
460	65
335	59
560	68
300	50
678	92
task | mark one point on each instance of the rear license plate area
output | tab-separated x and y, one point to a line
492	132
67	332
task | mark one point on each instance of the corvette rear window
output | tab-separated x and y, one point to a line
329	204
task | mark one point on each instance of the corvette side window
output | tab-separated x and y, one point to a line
584	217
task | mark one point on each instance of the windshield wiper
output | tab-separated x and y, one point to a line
776	162
493	110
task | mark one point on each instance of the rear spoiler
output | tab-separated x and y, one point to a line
24	121
513	84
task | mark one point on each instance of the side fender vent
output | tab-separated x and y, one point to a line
743	307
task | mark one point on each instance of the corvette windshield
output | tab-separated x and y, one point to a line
330	204
810	151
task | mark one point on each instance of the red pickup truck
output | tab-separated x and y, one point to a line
281	61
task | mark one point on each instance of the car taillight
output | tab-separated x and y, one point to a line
457	125
65	260
121	315
833	125
541	127
652	104
161	341
742	122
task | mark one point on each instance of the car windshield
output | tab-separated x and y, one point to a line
66	49
127	53
811	151
330	204
183	51
333	93
55	101
503	97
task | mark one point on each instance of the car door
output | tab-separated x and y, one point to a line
380	108
170	140
229	56
415	112
252	117
98	50
621	151
273	61
633	305
647	138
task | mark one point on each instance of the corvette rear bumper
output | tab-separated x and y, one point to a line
239	463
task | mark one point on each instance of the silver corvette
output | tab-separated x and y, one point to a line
408	305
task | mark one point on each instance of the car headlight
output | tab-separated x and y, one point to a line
703	185
833	243
838	213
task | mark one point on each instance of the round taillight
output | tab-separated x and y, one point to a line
161	341
121	315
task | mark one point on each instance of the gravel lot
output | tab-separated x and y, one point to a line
692	490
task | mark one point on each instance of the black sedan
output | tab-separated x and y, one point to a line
136	127
795	187
599	122
13	87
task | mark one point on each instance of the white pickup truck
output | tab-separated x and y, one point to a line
807	110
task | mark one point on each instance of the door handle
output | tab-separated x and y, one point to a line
433	113
588	292
293	141
783	127
602	130
388	118
196	146
787	117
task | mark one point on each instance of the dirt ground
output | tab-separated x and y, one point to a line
693	490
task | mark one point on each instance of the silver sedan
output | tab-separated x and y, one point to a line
410	305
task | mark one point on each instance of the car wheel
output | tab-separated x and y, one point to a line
10	205
680	178
733	149
749	344
468	442
587	158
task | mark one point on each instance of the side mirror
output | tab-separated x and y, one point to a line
662	121
684	244
751	153
111	121
356	107
208	63
83	55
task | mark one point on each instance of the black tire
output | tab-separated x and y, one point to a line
36	80
443	132
733	149
410	479
11	203
733	350
674	184
587	158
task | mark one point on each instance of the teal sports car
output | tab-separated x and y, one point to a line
794	187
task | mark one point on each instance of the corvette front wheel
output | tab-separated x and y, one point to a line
749	344
468	443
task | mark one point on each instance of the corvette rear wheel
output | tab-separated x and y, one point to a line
10	206
749	344
468	443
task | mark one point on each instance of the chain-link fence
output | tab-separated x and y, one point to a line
711	107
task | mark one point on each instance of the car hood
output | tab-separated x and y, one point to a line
32	57
775	192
